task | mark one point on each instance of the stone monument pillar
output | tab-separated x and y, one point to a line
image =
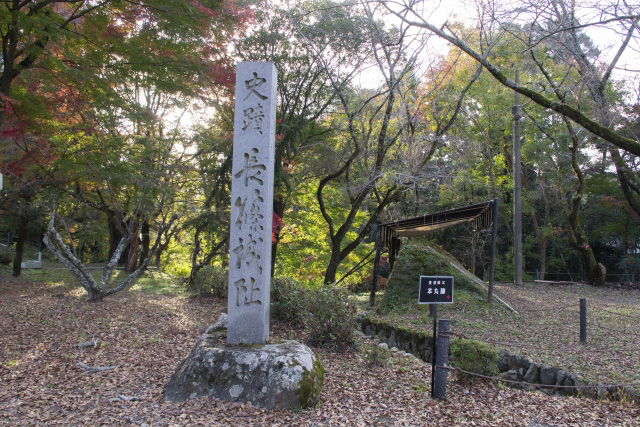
252	203
275	376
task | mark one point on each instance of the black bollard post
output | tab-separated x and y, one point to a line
442	359
583	320
433	309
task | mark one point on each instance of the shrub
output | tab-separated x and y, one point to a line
6	255
211	281
329	317
376	356
474	356
287	300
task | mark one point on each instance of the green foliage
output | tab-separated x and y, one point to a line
6	255
175	260
103	116
288	300
630	264
303	248
474	356
326	312
329	317
101	92
504	267
211	281
376	355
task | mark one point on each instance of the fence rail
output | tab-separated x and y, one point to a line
581	276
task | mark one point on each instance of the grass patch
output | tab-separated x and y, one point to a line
157	282
152	281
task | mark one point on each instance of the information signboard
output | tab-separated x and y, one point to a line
435	290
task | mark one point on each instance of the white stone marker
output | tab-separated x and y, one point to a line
252	203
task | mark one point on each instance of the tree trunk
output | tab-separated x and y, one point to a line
114	236
595	271
132	254
278	209
334	262
146	242
629	182
23	227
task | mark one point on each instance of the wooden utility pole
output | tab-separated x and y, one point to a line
517	191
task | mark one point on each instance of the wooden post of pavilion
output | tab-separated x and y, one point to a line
376	267
494	238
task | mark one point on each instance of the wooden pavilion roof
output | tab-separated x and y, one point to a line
481	214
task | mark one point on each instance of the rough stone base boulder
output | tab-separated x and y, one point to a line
272	376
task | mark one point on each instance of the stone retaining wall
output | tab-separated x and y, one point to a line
416	343
527	373
511	366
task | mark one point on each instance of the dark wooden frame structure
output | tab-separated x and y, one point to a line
483	216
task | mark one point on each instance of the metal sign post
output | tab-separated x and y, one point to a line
435	290
433	308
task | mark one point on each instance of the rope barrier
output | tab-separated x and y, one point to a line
619	314
511	323
556	308
572	350
524	383
610	329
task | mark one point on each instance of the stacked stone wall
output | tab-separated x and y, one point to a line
518	371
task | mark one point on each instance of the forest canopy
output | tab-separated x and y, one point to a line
116	131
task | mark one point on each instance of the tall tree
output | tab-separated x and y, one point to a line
211	197
559	20
121	69
304	91
369	126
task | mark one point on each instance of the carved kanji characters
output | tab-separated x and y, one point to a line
249	211
245	292
253	117
253	84
246	253
251	169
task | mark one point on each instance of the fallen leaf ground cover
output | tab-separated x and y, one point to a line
145	334
546	327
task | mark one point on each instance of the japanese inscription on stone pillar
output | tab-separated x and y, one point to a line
252	203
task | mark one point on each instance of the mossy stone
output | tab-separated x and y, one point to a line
311	385
474	356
